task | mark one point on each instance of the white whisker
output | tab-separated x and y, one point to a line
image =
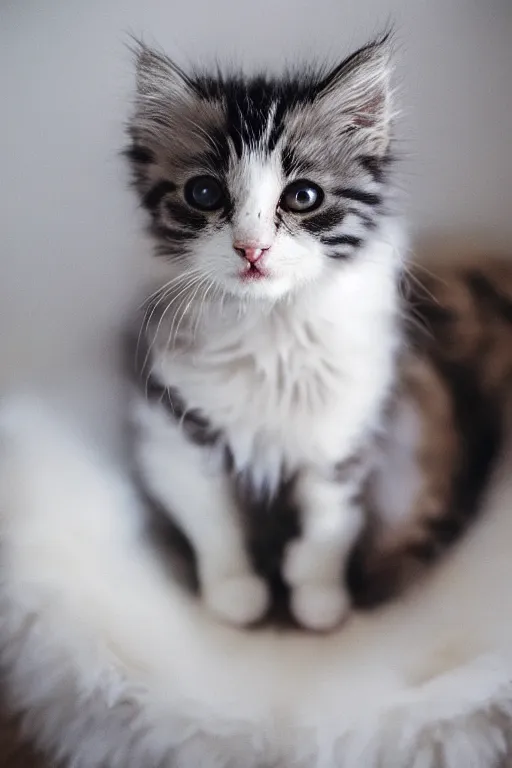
162	294
151	343
172	338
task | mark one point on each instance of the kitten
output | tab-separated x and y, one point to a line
271	343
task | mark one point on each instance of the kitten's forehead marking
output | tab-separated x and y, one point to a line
270	124
254	116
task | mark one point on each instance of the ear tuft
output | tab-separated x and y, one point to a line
157	74
358	91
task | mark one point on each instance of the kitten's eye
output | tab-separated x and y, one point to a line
205	193
301	197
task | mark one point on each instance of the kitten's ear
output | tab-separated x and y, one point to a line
158	76
163	91
358	93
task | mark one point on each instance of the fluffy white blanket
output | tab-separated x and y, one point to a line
116	667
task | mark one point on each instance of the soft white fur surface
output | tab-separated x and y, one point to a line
116	667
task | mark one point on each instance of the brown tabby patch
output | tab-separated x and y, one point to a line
458	373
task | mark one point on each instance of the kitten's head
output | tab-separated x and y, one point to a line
260	185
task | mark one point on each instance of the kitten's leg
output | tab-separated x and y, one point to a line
189	481
314	564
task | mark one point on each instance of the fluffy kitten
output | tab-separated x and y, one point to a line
271	343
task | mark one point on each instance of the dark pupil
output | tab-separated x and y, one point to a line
206	194
304	196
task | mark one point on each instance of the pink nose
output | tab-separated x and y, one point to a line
250	253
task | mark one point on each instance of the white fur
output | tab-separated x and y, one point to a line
116	666
292	385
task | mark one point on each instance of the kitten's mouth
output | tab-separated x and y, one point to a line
253	272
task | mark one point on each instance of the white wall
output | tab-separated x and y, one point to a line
70	248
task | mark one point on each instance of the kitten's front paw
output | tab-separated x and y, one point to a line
320	607
240	600
318	598
307	561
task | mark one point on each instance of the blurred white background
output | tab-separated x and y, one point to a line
72	252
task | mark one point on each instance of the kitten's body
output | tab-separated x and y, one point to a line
258	399
285	357
442	435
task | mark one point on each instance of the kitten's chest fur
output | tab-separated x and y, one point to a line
295	385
